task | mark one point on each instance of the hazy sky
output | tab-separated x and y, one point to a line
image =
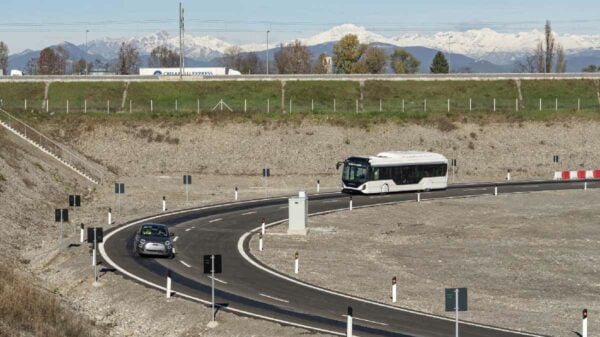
36	23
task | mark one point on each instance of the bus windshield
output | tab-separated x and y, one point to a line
355	172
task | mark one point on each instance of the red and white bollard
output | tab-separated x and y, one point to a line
584	324
394	289
260	242
296	264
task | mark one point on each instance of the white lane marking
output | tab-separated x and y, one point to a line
366	320
248	213
282	207
476	189
215	220
193	298
275	298
185	264
175	238
189	229
526	186
331	201
216	279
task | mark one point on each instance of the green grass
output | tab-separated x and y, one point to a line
326	101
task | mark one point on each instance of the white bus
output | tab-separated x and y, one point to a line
189	71
395	171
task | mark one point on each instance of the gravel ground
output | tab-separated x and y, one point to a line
531	261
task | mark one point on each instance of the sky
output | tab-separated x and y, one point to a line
34	24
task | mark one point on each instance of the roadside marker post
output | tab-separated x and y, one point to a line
164	204
296	264
109	216
236	193
119	189
350	202
266	173
584	327
318	186
95	235
349	323
168	284
262	231
260	242
508	175
187	181
81	233
394	289
75	201
495	191
418	197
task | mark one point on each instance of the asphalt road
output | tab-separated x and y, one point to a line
247	287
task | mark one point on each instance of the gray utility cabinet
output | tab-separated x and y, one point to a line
298	214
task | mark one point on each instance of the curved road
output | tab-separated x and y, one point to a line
248	287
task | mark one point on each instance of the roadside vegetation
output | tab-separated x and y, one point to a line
28	310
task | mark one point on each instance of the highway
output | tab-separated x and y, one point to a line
247	287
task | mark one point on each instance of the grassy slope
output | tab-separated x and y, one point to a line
186	96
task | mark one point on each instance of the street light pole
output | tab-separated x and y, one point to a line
268	31
181	36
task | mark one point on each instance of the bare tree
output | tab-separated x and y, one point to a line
293	59
550	42
561	61
162	56
250	64
232	58
540	63
3	57
52	61
32	67
321	66
128	61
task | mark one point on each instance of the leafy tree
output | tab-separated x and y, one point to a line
439	64
561	61
82	67
591	69
347	54
375	60
128	61
162	56
321	66
250	64
52	61
232	58
3	57
293	59
542	58
32	66
404	62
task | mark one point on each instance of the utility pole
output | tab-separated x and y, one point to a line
268	31
86	49
181	34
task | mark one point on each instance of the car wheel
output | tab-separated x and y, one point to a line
385	189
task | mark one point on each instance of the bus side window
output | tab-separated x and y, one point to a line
375	173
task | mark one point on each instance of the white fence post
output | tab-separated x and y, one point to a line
357	106
556	104
130	106
245	105
578	104
198	106
403	105
108	106
470	104
334	107
516	104
494	105
176	105
268	105
540	104
425	105
290	105
47	105
380	105
312	105
151	106
448	104
85	106
25	105
67	106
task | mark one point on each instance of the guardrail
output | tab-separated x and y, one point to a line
307	77
68	157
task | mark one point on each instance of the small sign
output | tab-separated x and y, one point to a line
556	159
96	232
119	188
74	201
451	299
266	172
208	264
61	215
453	163
187	180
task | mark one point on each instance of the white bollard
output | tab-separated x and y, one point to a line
81	232
418	197
508	176
236	193
350	202
349	323
260	242
109	216
296	264
169	284
94	258
318	186
263	227
585	186
164	204
394	288
496	191
584	327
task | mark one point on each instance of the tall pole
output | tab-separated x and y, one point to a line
86	49
212	270
456	308
181	32
268	31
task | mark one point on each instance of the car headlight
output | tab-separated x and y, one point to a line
142	242
167	243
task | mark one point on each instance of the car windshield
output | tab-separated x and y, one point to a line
357	172
154	230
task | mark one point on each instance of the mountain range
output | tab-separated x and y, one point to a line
480	50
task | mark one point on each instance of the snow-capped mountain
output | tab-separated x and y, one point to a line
196	47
